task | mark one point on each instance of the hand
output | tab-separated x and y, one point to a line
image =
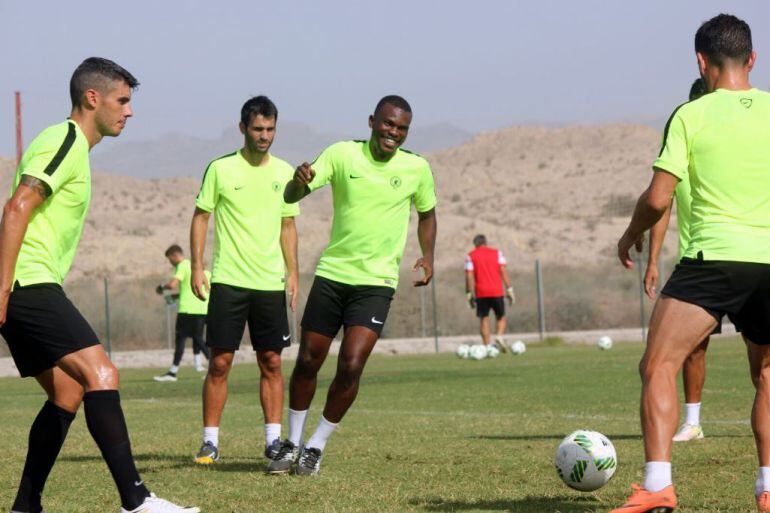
427	269
471	299
200	284
159	290
626	242
4	296
292	288
510	296
304	174
651	280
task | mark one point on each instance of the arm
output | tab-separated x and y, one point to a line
199	227
173	283
297	188
17	212
649	209
508	287
469	286
289	250
426	234
657	235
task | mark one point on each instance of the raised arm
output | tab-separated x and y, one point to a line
198	228
426	234
289	249
657	236
29	195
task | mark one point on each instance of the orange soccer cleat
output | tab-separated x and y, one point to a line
763	502
642	501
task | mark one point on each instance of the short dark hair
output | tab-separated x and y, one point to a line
258	106
174	248
96	73
724	37
697	89
396	101
480	240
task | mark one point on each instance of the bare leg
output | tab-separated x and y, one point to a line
215	386
694	373
313	349
270	385
484	328
501	323
759	364
676	328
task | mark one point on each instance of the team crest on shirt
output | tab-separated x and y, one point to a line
276	186
746	102
395	182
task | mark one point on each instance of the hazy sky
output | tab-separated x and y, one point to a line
478	65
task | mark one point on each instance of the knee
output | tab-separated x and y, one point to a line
307	363
69	399
270	365
105	377
653	369
349	371
219	368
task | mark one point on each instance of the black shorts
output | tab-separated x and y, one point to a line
42	326
740	290
230	308
484	304
331	305
190	325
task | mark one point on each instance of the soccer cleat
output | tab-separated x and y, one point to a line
169	376
207	455
309	462
153	504
500	343
200	368
272	450
284	460
642	501
763	502
688	432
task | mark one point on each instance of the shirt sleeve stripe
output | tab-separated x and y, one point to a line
668	126
209	166
57	159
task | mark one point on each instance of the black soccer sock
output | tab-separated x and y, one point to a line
46	436
107	425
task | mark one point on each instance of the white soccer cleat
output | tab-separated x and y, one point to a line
200	368
688	432
166	377
153	504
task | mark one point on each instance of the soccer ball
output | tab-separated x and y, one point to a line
586	460
463	351
604	343
478	352
518	347
492	351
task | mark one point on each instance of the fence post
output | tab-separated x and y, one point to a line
435	313
640	274
107	338
540	303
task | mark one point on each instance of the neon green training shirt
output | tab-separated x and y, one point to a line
189	302
372	202
248	206
683	206
58	156
721	143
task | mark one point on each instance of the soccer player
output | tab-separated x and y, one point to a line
694	370
47	336
256	242
721	144
374	184
485	280
191	317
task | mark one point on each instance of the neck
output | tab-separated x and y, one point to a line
732	79
377	154
86	123
255	158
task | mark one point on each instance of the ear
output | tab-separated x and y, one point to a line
371	121
702	63
242	127
752	60
92	97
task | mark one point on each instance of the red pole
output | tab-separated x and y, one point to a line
19	144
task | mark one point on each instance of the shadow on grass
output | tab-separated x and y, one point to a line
177	461
562	504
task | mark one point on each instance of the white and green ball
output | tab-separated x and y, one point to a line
492	351
586	460
463	351
604	343
518	347
478	352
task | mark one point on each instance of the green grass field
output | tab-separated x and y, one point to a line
427	434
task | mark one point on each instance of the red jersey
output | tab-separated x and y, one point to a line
485	263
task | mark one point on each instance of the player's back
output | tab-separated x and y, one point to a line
486	264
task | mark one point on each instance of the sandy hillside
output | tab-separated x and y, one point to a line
559	194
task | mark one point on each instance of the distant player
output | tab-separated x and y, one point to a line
721	144
48	337
191	317
694	371
374	185
255	244
486	280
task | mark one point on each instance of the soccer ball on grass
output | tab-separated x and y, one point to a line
586	460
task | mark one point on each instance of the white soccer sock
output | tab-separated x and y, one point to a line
692	414
272	431
211	434
322	434
763	480
198	360
173	369
657	475
297	419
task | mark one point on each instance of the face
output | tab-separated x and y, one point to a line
175	258
390	126
259	134
112	108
